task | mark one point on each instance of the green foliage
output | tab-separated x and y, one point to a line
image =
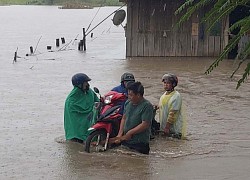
216	29
13	2
220	10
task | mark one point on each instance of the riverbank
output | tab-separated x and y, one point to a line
76	4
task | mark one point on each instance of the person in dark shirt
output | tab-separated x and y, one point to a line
125	79
136	122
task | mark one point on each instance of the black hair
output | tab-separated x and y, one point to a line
136	87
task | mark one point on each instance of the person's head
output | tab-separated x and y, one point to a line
81	80
170	81
135	92
127	77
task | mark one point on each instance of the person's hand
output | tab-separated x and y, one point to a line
115	140
167	129
118	139
119	135
155	107
126	137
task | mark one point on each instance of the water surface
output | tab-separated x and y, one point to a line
33	91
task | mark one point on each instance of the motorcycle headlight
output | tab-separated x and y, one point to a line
91	129
107	99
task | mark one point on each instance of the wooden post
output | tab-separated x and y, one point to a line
31	50
63	40
57	43
15	56
49	47
84	40
80	45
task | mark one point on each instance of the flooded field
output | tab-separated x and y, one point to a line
33	91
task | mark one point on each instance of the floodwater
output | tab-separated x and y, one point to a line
33	91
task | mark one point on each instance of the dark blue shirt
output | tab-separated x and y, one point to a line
121	89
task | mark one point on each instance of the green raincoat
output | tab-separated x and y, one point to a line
79	113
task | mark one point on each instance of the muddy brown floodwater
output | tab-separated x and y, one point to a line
33	91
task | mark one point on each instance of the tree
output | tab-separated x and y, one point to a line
222	9
49	2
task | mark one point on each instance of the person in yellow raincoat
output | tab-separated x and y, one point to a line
172	122
79	111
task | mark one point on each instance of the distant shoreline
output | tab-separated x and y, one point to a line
75	6
59	6
64	4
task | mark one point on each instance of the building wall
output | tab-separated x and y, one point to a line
150	31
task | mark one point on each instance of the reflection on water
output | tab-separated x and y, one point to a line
33	91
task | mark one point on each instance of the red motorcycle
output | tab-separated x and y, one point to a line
108	121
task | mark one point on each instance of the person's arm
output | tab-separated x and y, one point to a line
95	95
138	129
172	117
167	128
117	139
173	114
120	133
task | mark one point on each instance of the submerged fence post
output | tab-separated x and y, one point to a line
80	45
15	57
57	43
31	50
84	40
49	47
63	40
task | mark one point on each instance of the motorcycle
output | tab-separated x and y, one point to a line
108	121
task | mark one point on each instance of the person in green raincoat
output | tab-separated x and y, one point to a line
79	111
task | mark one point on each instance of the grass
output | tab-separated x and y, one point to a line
13	2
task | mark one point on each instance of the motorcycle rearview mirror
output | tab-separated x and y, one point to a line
96	90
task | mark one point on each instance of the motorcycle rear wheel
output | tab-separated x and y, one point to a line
96	141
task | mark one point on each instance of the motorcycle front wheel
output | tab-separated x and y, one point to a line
96	141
